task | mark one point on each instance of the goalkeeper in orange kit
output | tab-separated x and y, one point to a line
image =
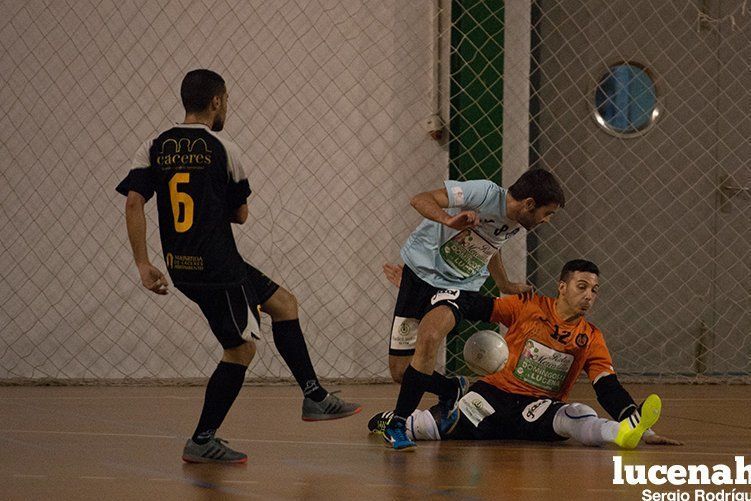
550	343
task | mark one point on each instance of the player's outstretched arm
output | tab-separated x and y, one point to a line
135	219
498	272
430	205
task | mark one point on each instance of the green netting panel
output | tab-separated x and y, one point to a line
476	143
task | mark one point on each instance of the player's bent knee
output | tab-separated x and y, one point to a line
281	306
580	422
430	339
569	417
286	299
290	300
577	411
241	355
443	313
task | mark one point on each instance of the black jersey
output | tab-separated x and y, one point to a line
199	183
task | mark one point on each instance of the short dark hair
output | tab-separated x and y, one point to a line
578	265
198	88
541	186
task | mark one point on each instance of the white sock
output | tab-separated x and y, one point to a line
580	422
422	426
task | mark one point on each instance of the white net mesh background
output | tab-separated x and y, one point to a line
327	100
655	211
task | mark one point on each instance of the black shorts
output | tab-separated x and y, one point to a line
417	297
488	413
226	308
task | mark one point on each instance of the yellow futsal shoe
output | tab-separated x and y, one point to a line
634	426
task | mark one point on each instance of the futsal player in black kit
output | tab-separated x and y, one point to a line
201	187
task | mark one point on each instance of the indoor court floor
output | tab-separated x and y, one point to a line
125	443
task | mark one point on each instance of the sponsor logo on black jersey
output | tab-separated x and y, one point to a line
183	152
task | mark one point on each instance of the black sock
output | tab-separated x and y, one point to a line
414	385
221	392
290	342
442	386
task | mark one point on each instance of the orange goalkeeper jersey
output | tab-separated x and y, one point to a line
546	355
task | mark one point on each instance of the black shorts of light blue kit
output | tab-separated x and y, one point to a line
226	307
417	297
510	417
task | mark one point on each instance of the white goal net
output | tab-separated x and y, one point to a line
328	102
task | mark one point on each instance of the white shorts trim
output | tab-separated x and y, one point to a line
475	408
404	333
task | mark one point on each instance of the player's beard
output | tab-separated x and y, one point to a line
218	124
527	220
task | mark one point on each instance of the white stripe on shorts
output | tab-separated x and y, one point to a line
232	314
255	329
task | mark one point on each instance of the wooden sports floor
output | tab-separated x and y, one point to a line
125	443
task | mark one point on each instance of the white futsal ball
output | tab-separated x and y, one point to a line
485	352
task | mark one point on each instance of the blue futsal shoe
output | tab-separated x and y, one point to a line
451	403
395	435
446	413
445	422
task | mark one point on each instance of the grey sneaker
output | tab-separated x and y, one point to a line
331	407
213	451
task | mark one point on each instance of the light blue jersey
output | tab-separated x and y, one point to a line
451	259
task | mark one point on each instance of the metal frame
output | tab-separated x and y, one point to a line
657	111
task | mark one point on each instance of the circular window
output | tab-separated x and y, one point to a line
626	100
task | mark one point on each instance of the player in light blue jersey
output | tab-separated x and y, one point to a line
447	259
